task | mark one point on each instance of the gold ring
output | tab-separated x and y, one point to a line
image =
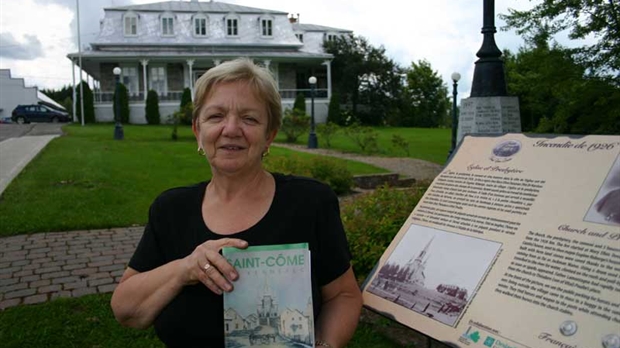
206	267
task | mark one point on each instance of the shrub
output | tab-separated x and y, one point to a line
326	131
300	103
89	104
364	137
123	100
400	142
182	116
334	114
330	171
152	108
372	221
186	97
294	124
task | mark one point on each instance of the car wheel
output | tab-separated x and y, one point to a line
21	120
54	119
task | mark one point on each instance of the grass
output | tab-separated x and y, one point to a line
430	144
88	322
87	180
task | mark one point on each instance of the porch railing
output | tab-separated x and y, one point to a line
292	93
103	97
106	97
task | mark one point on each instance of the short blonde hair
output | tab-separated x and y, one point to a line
259	79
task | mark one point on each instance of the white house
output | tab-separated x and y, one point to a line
232	321
166	46
14	92
294	325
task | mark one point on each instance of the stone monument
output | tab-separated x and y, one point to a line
489	109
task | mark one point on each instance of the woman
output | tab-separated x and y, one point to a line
176	278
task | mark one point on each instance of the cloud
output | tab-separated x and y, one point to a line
12	49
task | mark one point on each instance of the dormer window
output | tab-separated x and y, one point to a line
167	25
130	24
200	25
232	26
266	27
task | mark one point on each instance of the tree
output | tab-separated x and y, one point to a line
123	100
363	75
427	96
557	95
581	18
300	103
186	97
89	104
334	114
152	108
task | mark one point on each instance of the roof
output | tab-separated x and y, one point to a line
194	6
187	54
316	27
47	100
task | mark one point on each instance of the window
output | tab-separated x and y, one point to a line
129	77
158	80
167	26
200	26
300	37
131	25
330	37
266	27
232	27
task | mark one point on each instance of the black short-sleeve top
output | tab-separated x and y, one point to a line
303	211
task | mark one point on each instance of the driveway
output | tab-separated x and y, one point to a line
14	130
19	144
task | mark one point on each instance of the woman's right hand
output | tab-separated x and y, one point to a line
206	265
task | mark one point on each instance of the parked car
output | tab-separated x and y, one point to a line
38	113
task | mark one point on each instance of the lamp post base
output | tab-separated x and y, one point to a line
313	142
118	131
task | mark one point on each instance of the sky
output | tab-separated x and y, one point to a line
37	35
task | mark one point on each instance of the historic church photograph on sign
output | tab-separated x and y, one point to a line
434	272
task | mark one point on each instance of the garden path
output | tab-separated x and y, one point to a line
406	167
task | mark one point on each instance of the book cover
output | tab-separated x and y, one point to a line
271	305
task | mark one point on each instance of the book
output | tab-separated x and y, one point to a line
271	304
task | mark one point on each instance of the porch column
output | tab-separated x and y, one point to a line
190	64
144	63
216	62
74	96
267	62
328	63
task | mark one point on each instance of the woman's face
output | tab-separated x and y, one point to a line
232	128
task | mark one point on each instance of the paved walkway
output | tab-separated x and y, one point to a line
40	267
43	266
16	153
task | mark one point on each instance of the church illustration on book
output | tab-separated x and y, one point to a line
269	323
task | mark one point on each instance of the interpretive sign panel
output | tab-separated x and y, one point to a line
515	244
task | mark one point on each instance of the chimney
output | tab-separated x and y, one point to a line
293	19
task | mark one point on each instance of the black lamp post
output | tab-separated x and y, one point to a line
313	143
455	79
489	77
118	127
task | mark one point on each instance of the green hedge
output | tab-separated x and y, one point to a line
330	171
371	222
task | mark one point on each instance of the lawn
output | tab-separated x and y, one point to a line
88	322
87	180
430	144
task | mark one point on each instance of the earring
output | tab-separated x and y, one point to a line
266	153
201	152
